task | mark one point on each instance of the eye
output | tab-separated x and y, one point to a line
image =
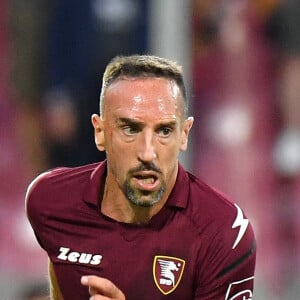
164	132
130	130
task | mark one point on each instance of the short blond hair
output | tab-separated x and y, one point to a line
135	66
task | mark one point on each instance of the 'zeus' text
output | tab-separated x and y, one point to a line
77	257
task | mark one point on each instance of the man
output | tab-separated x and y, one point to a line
138	226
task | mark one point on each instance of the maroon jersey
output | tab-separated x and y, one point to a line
199	246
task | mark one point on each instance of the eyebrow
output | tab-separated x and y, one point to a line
129	121
126	120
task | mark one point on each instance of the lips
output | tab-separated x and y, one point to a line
146	181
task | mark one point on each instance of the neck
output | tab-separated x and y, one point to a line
133	215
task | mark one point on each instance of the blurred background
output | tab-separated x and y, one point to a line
242	68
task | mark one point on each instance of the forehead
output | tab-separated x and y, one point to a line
142	97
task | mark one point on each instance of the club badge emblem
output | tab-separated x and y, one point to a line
167	273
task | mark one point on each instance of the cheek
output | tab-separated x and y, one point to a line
119	147
119	153
168	156
117	164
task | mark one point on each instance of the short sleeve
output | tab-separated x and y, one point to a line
33	203
226	272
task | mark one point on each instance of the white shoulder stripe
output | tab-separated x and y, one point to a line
241	222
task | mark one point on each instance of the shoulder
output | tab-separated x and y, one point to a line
227	241
207	204
218	217
48	187
53	178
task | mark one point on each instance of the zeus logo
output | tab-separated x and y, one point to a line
83	258
241	223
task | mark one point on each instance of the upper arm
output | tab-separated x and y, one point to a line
227	270
30	189
55	292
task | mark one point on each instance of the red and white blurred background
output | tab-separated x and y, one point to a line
242	64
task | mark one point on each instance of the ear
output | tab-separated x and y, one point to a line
98	132
188	123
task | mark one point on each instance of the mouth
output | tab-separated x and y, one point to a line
147	181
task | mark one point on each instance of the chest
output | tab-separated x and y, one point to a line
144	262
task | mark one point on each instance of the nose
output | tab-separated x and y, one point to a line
146	150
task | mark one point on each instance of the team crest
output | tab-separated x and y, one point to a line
167	272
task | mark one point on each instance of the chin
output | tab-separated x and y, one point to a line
143	198
145	203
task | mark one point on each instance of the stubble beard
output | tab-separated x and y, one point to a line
135	196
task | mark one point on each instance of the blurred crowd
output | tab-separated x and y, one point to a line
246	76
67	46
245	97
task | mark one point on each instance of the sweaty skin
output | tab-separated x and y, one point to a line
142	131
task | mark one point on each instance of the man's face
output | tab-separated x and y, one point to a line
143	131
